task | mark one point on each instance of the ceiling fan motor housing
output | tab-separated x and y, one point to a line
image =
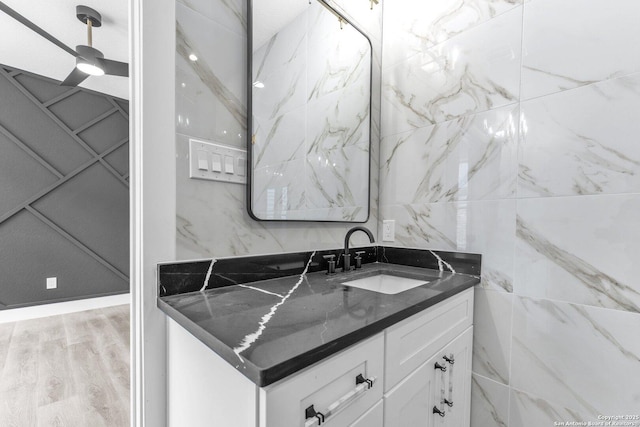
89	53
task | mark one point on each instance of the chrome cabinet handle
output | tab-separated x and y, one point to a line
311	415
439	366
438	411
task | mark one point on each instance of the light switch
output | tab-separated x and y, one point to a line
216	163
228	164
203	163
240	166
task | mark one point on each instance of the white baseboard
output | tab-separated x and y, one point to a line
46	310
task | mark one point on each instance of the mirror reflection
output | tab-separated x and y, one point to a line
309	115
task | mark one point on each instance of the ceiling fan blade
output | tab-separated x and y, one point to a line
75	78
114	68
15	15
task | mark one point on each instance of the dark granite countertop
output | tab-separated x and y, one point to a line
272	328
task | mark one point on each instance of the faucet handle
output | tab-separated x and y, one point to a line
358	259
331	261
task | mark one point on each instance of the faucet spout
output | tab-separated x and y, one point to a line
346	255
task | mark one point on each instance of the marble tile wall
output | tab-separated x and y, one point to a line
211	98
510	128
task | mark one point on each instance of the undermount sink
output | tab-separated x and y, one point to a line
385	283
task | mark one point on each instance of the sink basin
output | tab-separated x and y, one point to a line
385	283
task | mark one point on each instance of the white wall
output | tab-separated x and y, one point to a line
152	195
509	128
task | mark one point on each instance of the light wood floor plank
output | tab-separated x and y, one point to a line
70	370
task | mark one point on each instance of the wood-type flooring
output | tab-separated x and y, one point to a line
69	370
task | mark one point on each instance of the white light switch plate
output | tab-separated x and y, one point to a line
388	230
223	159
52	282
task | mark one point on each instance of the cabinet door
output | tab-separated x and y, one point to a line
411	402
372	418
457	385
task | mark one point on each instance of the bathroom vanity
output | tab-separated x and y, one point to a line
299	347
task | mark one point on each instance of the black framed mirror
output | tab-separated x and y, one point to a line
309	119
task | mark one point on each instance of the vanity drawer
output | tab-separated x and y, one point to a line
413	341
330	386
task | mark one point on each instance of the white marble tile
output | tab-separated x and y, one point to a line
210	92
280	72
576	356
570	43
469	158
277	191
412	26
580	249
526	410
279	140
231	14
475	71
338	58
582	141
338	178
489	403
492	334
486	227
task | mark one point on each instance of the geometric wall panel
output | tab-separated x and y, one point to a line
107	132
43	90
119	159
21	176
64	191
32	126
89	207
31	252
80	108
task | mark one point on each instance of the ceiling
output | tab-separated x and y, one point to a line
22	48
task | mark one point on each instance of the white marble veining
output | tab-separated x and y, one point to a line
526	410
571	43
492	334
429	23
231	14
489	403
582	141
249	339
210	93
573	249
486	227
468	158
577	357
474	71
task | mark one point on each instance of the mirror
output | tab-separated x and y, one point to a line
309	113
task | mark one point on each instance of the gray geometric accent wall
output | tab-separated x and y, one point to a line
64	191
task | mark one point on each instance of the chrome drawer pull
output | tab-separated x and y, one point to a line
438	411
314	420
439	366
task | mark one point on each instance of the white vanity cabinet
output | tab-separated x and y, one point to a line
428	366
399	363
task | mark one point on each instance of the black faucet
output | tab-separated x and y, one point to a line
346	255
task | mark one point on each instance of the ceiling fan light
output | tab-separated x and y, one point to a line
92	69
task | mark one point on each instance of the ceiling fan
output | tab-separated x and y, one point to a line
89	60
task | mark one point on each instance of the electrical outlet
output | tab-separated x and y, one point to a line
388	230
52	282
